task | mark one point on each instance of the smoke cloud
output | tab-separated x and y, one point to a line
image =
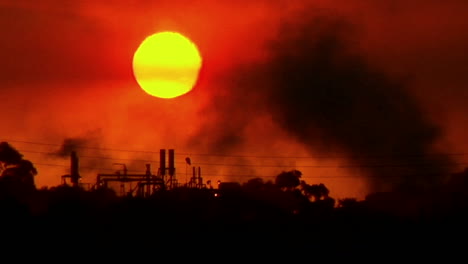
87	146
327	96
70	145
288	79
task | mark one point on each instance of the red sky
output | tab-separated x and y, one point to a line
66	74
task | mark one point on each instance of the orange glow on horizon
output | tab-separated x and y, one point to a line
167	65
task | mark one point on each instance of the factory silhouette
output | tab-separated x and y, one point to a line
127	213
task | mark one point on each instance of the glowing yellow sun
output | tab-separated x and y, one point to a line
167	64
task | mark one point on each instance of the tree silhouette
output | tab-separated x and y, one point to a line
318	194
347	202
254	184
16	172
288	180
315	192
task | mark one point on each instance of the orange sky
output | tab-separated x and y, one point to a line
66	74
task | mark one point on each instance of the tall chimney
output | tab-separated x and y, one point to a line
148	169
74	174
200	180
162	161
171	162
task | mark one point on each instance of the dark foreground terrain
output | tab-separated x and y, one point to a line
267	221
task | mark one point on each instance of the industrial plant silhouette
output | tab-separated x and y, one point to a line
158	213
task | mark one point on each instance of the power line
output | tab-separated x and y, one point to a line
271	166
252	176
81	167
252	156
81	147
54	154
308	177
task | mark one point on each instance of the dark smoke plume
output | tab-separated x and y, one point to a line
333	101
90	156
328	97
69	145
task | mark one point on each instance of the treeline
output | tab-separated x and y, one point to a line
287	213
274	214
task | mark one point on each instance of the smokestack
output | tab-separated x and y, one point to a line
171	162
74	174
148	169
200	181
162	161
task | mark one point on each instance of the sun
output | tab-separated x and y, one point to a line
167	64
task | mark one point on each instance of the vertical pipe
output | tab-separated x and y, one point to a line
74	174
148	169
200	181
193	181
148	175
162	161
171	162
